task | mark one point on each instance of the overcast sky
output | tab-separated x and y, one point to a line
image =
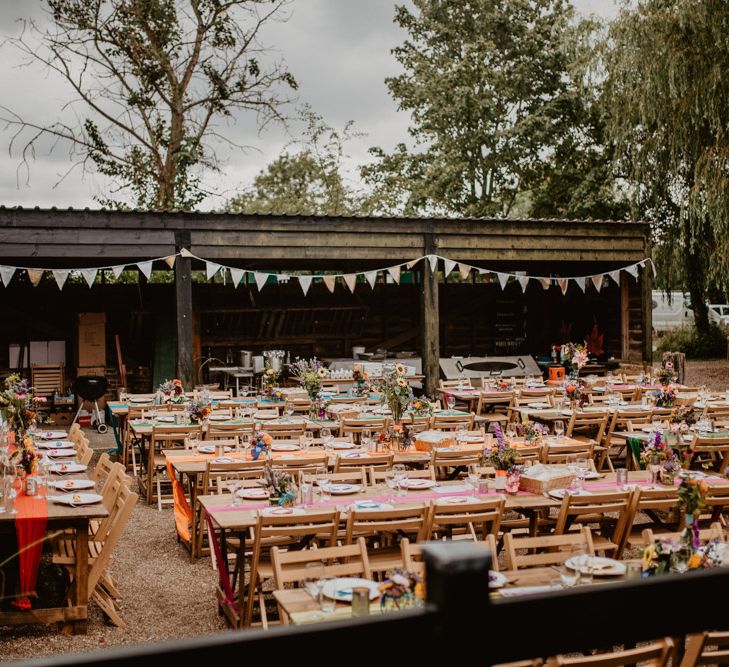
339	51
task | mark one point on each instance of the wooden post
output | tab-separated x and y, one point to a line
183	290
647	312
430	321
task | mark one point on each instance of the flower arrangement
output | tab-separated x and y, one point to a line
25	455
666	374
361	380
671	555
532	432
18	404
503	385
574	355
260	442
199	411
310	372
172	391
574	391
401	589
691	494
664	397
501	457
420	407
269	379
396	392
280	485
682	415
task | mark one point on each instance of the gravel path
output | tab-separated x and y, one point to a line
164	595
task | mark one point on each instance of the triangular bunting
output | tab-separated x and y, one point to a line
61	275
597	281
545	282
523	281
350	280
371	278
615	275
448	266
89	275
7	273
261	279
184	252
211	268
564	284
305	282
580	282
503	278
35	276
413	262
433	259
170	261
464	270
632	270
330	282
117	270
236	275
145	268
394	271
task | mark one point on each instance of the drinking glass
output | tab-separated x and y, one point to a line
474	477
391	483
569	576
559	428
400	472
366	440
559	403
288	411
314	580
583	467
234	485
308	439
328	605
326	436
451	401
10	492
322	479
460	435
621	477
633	570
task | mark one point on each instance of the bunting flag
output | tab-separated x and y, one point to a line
305	282
597	281
35	276
433	259
61	275
211	269
371	278
523	281
283	278
236	275
563	283
464	270
580	282
503	279
350	279
413	262
261	279
184	252
330	282
145	268
546	282
89	275
170	261
394	271
7	273
615	275
117	270
448	266
632	270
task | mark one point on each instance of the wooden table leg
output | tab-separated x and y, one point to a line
80	591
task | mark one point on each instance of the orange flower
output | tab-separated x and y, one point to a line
267	439
695	561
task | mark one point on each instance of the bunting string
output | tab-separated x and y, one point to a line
350	280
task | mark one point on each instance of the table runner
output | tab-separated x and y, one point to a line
229	596
30	528
183	513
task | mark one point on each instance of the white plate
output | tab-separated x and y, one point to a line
539	405
140	400
74	499
55	444
371	505
418	483
284	447
253	494
592	474
341	589
496	579
67	468
167	419
559	493
456	500
601	567
282	511
210	449
452	488
61	453
220	418
343	489
224	459
472	437
343	444
352	455
73	484
263	416
52	435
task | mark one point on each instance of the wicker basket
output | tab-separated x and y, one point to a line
533	485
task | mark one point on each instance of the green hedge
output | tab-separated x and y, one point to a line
686	339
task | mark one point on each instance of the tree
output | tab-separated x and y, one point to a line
310	180
487	85
152	80
667	94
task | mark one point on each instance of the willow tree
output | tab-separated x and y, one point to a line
155	85
667	101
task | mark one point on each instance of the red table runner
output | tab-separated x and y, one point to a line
30	528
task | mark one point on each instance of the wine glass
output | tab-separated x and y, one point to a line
460	434
366	439
451	401
474	477
559	428
323	479
288	411
400	476
326	436
314	579
234	484
308	439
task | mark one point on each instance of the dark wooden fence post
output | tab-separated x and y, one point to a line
430	321
647	311
183	291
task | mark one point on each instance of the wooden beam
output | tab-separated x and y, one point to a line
183	290
430	319
624	318
646	279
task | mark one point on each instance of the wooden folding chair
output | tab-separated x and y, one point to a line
239	432
557	453
412	555
493	406
615	447
659	506
381	461
713	451
285	431
544	550
355	426
472	520
655	654
452	422
448	463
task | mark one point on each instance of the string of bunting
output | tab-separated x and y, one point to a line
260	278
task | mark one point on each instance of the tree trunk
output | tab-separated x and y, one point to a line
695	282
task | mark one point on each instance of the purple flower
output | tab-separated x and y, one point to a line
499	436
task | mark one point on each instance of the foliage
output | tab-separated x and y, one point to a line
691	494
395	390
153	80
502	456
310	372
361	380
307	181
499	122
19	405
172	391
667	112
199	411
693	344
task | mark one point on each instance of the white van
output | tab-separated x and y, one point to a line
671	310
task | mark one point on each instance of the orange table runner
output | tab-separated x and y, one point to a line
30	528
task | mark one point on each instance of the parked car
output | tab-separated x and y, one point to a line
719	313
671	310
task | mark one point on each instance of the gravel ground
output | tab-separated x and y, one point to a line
164	595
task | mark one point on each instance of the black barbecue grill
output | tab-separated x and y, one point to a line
91	388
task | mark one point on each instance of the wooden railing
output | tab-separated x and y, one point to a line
461	622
